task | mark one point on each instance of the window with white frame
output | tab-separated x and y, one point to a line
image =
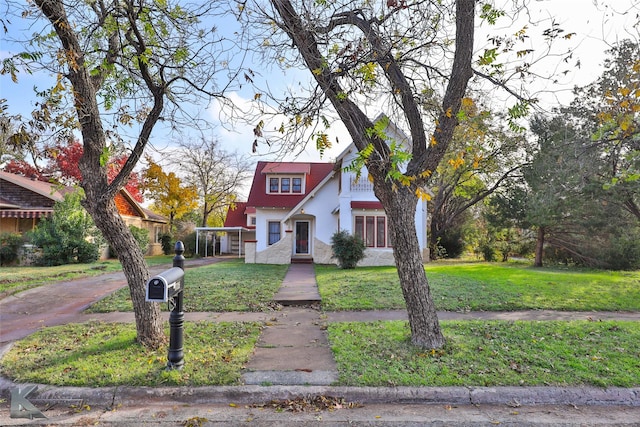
285	185
274	232
373	230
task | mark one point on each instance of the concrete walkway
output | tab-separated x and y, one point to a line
293	347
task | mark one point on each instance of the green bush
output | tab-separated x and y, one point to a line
347	249
452	242
9	246
167	244
69	236
189	241
624	253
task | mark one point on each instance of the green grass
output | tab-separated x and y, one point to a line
20	278
225	286
477	353
100	354
490	353
484	286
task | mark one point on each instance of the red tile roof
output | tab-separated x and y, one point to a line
236	217
258	196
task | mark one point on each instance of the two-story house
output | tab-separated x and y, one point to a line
294	208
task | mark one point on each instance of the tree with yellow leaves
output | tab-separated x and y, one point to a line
170	197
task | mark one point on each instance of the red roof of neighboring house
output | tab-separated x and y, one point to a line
236	215
366	205
258	196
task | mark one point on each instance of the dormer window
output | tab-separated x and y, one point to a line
297	185
274	185
285	185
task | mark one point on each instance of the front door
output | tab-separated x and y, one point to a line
302	238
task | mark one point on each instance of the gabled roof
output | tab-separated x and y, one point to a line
236	215
31	198
258	196
42	188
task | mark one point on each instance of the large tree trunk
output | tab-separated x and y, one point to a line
399	201
149	324
99	194
539	247
423	319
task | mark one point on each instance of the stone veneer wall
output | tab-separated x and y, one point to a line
278	253
374	257
322	253
250	251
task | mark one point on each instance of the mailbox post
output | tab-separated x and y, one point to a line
175	357
168	287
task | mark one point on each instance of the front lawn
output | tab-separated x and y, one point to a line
224	286
477	353
484	286
490	353
106	354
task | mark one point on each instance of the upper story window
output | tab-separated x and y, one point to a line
285	185
297	185
252	220
274	185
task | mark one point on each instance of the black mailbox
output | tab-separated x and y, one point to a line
165	285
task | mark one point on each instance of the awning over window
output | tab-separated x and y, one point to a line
366	205
25	213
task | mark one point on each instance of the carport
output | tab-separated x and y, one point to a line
215	231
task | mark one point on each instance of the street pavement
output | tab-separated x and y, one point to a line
294	366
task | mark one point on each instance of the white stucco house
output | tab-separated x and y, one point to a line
294	208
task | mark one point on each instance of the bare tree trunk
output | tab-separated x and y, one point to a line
103	210
99	194
149	324
423	320
539	247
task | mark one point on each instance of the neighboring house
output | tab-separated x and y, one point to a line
294	208
134	214
24	202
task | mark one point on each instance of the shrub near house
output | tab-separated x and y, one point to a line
9	245
69	236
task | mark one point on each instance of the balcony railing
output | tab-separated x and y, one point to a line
361	185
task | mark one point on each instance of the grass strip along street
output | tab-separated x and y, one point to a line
478	353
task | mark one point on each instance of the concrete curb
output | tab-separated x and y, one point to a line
246	394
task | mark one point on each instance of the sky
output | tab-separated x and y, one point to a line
597	24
